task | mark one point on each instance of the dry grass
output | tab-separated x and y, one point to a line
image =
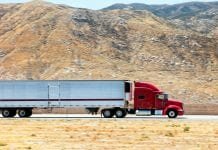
107	134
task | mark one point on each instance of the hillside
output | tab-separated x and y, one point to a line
198	16
40	40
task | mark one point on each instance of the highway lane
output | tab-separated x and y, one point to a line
129	117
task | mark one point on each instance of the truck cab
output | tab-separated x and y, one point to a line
150	100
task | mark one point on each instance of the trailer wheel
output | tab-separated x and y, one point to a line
24	113
120	113
172	113
29	112
107	113
8	113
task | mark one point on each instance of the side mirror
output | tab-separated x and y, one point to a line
165	96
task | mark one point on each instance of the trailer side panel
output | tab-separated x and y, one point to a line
92	93
62	94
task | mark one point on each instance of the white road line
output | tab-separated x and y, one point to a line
129	117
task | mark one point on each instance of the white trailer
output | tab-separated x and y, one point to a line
22	96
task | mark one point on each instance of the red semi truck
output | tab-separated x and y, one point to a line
109	97
150	100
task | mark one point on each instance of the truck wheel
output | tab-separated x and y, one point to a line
172	113
8	113
120	113
24	113
107	113
125	113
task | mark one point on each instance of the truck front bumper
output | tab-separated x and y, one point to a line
181	112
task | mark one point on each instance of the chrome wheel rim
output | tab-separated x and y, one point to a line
119	113
6	113
22	113
172	113
107	113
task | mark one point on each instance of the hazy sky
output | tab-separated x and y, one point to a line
98	4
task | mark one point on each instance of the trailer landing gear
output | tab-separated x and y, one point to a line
93	111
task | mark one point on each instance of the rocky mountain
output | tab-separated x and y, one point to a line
133	6
40	40
198	16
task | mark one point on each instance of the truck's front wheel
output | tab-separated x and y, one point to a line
107	113
172	113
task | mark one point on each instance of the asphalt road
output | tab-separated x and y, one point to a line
129	117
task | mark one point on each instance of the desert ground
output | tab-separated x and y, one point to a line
93	133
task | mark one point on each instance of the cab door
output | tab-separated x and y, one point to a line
160	101
143	99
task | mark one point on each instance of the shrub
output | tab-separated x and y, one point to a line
186	129
2	144
170	134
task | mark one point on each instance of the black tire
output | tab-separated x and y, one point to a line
13	112
108	113
125	113
120	113
29	113
24	113
172	113
8	113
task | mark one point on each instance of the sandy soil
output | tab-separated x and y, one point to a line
107	134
